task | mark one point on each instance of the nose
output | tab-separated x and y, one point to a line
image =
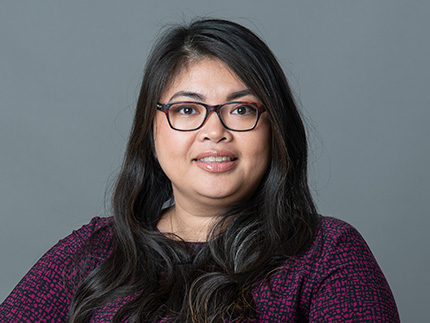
213	129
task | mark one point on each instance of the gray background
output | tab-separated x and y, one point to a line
69	76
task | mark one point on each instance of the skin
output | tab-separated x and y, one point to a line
202	189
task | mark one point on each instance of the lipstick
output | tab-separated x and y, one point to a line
216	161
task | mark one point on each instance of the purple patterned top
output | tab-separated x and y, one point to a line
336	280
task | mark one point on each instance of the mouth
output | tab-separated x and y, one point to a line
215	159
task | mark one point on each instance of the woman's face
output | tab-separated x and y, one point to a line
187	157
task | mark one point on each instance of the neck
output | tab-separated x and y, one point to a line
188	221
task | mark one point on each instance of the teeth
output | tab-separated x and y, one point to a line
213	159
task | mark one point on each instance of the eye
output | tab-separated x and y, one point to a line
244	110
184	109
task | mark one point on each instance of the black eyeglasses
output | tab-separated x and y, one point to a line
189	116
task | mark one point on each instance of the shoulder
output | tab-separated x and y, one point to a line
338	244
84	249
94	237
332	234
343	244
343	268
336	279
45	292
98	228
332	228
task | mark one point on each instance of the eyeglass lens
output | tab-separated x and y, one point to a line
236	116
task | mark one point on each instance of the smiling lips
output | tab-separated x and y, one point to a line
213	159
216	161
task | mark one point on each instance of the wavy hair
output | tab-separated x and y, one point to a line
166	277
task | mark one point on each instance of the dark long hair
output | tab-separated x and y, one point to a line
251	238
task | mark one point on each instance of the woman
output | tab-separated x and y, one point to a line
212	216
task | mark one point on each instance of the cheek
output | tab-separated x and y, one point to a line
163	140
171	146
263	156
262	143
257	151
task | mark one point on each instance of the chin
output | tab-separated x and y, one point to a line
223	197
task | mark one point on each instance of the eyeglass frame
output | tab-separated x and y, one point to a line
164	107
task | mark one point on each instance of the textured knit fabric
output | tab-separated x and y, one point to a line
336	280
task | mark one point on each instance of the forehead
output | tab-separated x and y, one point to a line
209	77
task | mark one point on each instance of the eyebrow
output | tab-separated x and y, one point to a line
239	94
198	96
189	94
